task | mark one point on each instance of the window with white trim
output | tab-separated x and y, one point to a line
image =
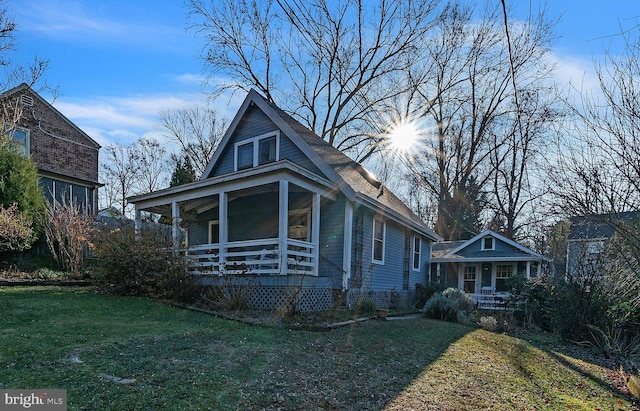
417	248
469	280
488	243
257	151
379	229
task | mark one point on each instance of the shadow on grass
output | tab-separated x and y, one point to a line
589	376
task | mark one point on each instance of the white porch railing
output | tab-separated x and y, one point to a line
254	257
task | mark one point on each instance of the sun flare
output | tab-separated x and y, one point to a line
404	136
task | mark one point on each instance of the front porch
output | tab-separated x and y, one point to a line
264	221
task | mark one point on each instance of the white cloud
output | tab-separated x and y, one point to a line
122	119
190	78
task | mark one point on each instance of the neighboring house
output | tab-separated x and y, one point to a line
66	157
588	236
282	209
481	266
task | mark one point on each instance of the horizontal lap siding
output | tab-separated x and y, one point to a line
389	276
199	230
332	240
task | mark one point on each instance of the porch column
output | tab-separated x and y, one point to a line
346	248
528	269
175	218
283	225
315	232
222	228
137	224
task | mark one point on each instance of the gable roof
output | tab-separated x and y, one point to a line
450	250
352	179
25	88
599	226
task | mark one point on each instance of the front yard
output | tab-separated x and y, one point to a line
174	359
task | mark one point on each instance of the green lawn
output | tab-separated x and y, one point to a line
186	360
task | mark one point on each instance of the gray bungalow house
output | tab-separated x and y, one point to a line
281	209
481	265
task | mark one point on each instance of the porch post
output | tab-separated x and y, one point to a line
137	224
175	218
223	229
315	232
283	225
528	269
346	248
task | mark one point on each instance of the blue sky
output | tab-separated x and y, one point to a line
117	63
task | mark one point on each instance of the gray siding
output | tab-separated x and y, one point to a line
332	240
397	258
199	230
476	247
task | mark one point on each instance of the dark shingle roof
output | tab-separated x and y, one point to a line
599	225
443	248
353	173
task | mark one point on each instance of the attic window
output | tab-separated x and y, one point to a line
257	151
26	100
488	243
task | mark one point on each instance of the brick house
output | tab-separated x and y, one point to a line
66	157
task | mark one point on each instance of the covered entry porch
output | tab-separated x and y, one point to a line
264	221
485	281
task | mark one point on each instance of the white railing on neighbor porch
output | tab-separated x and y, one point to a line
254	257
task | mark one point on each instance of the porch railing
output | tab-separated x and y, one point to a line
261	257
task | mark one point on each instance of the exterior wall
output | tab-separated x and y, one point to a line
58	147
585	257
332	240
199	229
67	160
253	124
393	281
476	247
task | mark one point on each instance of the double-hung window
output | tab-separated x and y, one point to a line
256	151
417	246
469	285
378	240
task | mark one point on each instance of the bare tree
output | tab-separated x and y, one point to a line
198	130
120	172
598	167
469	101
331	65
153	165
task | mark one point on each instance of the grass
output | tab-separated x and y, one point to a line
187	360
